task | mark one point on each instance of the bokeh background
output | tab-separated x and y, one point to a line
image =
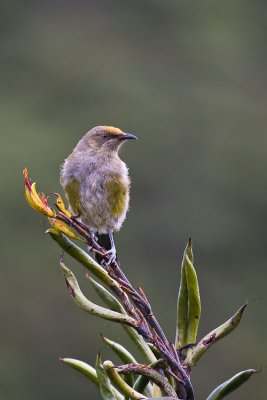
189	79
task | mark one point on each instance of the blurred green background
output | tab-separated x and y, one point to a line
189	79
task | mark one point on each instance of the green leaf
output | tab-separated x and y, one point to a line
232	384
188	303
81	256
182	310
194	303
141	384
82	367
107	390
124	355
108	298
227	327
156	351
87	305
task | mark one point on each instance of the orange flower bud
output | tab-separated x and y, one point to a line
61	205
63	228
38	202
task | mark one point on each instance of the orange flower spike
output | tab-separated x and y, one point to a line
61	205
63	228
36	201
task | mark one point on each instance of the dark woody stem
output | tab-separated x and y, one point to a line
148	326
152	373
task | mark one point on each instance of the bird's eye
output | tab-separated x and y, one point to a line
109	136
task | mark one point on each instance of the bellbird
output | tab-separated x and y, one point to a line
96	183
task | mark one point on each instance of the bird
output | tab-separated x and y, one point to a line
96	183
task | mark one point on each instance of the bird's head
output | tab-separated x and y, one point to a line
104	138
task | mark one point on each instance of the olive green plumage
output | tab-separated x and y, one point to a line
96	180
72	190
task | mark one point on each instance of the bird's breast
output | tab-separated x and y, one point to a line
98	191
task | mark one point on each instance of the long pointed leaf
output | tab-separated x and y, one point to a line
182	311
125	356
188	303
108	392
232	384
212	337
82	367
194	304
87	305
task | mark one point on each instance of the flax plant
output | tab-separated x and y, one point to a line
167	368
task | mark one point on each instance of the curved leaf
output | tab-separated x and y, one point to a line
232	384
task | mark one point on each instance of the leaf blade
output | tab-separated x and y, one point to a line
231	384
212	337
83	368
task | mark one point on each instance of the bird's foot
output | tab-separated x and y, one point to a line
93	236
112	254
94	240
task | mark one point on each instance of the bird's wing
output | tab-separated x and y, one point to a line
72	190
117	196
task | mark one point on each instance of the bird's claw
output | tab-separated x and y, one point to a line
94	237
94	240
112	256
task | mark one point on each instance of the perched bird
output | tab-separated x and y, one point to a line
96	182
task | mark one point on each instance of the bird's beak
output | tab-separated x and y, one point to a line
128	136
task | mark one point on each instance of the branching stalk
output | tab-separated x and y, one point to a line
131	308
155	334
